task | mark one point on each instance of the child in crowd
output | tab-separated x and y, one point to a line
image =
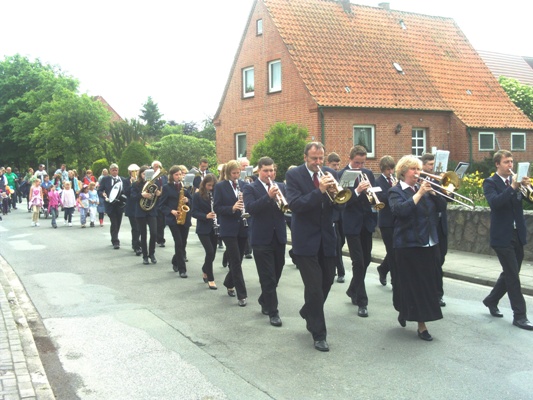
68	199
93	202
36	201
83	204
54	200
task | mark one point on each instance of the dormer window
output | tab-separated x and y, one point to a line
398	67
402	24
259	27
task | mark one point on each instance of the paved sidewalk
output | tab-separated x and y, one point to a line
22	375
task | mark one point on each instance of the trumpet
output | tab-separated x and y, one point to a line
393	180
280	199
244	214
449	181
527	191
371	195
339	195
133	169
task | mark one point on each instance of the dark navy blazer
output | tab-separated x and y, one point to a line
169	201
358	211
198	179
312	214
505	210
231	223
266	218
200	208
385	217
414	224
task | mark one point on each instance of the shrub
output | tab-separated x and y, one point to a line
135	153
98	166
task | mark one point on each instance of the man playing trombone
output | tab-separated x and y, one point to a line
507	236
264	201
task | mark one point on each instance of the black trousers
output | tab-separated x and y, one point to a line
269	260
511	258
115	217
317	274
160	227
210	247
142	223
135	233
178	260
340	244
443	249
235	278
386	235
360	247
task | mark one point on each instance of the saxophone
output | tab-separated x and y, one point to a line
183	208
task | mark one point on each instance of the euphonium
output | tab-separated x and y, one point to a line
150	187
183	208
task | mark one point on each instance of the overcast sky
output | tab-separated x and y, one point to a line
180	52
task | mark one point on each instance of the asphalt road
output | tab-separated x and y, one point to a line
113	328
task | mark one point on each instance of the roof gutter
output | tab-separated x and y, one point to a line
469	132
322	125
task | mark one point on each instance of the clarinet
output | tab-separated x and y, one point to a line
244	214
215	222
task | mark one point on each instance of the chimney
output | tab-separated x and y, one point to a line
385	6
346	6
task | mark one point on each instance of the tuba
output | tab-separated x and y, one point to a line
183	208
150	187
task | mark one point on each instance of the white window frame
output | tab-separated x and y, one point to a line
513	134
245	82
416	149
372	151
479	141
238	153
274	86
259	27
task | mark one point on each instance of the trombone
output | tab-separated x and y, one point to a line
371	195
448	182
280	199
339	195
527	191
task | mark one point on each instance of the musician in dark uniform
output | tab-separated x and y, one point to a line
115	190
415	209
145	218
334	162
268	234
233	228
206	226
203	170
160	181
129	211
313	237
359	222
169	207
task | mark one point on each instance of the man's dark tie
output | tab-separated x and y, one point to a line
315	180
115	180
234	185
507	182
390	181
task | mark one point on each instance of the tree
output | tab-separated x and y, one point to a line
284	144
208	132
122	133
135	153
520	95
152	119
26	90
72	128
184	150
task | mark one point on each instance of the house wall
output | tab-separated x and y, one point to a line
255	115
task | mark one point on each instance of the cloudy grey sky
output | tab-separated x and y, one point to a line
180	52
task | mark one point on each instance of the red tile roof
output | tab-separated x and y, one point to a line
346	60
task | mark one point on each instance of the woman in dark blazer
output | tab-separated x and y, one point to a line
202	210
144	218
415	209
228	206
169	207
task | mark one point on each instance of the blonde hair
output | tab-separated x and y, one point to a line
230	166
405	163
92	185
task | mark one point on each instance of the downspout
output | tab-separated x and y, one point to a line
471	161
322	126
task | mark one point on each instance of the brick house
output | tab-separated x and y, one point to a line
114	115
397	82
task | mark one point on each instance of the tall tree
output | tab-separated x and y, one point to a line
183	149
521	95
123	133
152	119
73	127
26	90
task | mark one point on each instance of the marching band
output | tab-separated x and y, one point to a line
406	201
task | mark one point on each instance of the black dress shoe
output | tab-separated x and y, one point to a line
138	252
242	302
362	312
523	323
382	277
231	292
248	256
145	261
401	321
116	246
425	336
183	274
340	279
494	311
321	345
275	320
442	303
175	268
161	244
152	259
